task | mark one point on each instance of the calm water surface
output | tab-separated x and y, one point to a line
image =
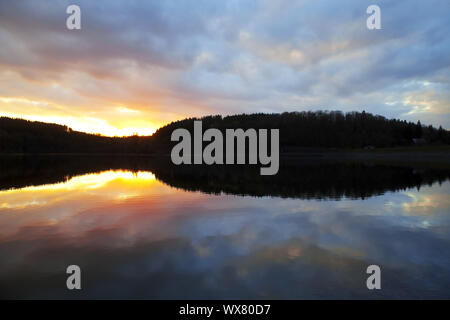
136	237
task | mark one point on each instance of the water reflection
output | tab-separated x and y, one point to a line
134	236
298	178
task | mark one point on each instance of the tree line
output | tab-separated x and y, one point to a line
319	129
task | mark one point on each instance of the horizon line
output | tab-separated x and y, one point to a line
202	117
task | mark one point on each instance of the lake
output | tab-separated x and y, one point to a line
141	229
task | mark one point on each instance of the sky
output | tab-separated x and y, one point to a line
137	65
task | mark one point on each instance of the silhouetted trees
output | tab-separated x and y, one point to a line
321	129
318	129
22	136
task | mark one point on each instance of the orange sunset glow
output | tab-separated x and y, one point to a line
105	193
133	68
193	155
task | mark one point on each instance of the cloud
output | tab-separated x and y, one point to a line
172	59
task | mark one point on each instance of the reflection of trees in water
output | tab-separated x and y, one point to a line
304	179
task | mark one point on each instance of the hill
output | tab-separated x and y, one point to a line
322	129
297	130
23	136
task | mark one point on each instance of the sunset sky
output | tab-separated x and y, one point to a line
137	65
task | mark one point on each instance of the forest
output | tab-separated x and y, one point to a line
298	130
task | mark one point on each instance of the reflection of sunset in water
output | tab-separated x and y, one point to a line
87	202
135	236
91	181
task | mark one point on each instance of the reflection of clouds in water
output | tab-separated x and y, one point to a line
167	243
428	204
85	202
16	198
